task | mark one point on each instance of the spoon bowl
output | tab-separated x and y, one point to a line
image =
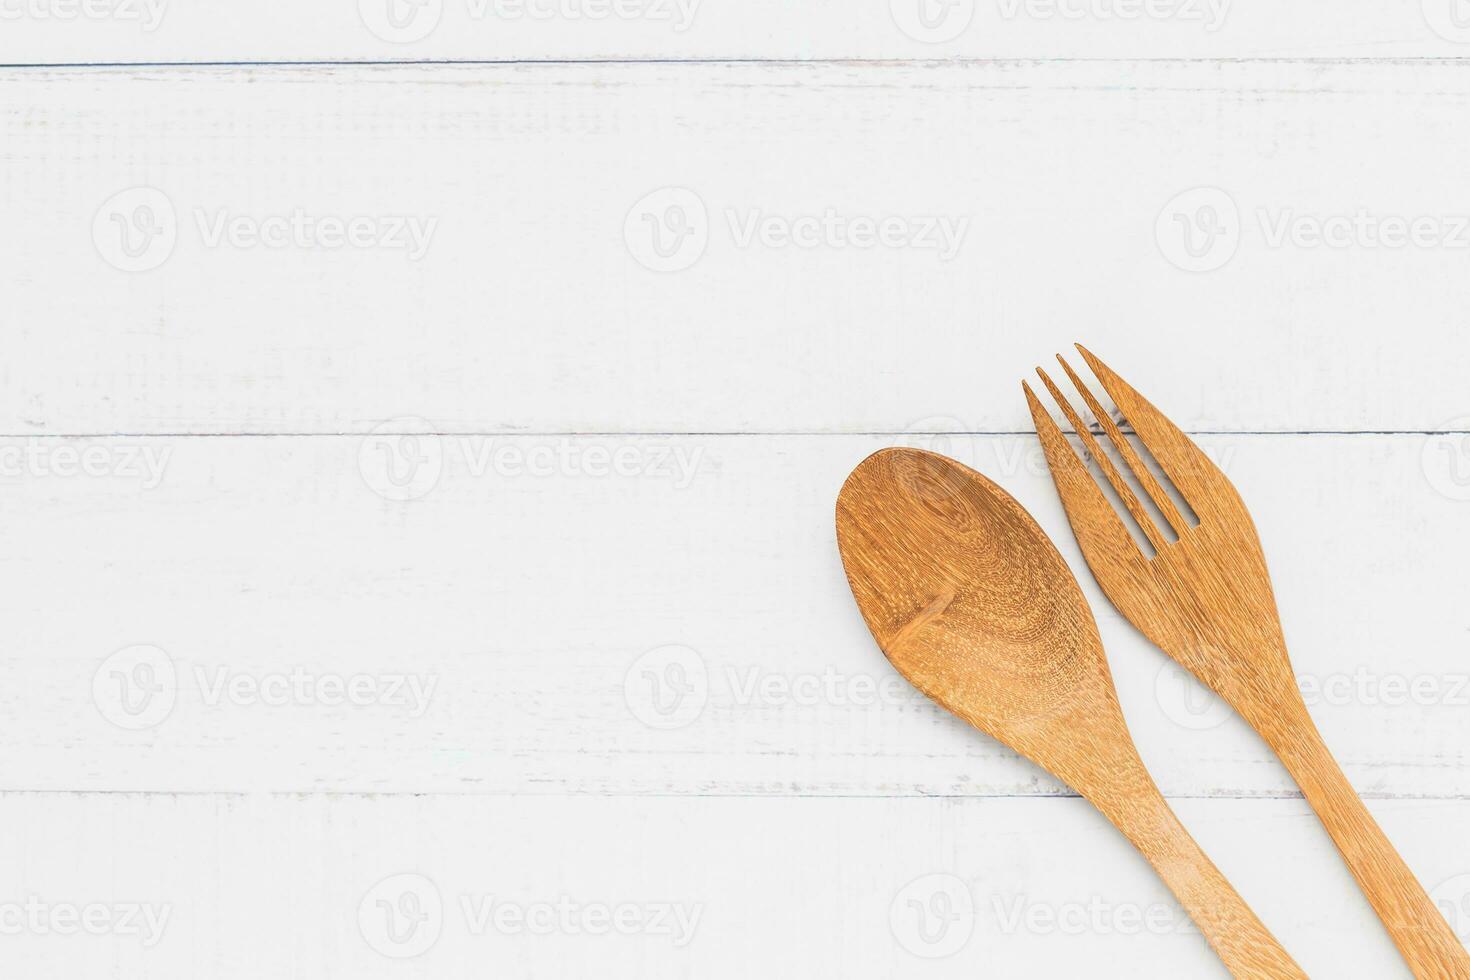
976	608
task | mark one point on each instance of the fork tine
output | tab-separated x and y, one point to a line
1191	471
1145	476
1097	525
1120	486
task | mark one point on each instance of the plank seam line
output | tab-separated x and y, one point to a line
1452	61
641	434
249	794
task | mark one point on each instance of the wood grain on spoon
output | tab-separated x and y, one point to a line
973	604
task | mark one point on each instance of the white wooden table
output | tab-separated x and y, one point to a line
421	427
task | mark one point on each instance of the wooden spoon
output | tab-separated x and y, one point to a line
972	603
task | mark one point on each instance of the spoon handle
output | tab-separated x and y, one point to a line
1241	940
1418	928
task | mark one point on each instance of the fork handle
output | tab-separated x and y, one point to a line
1420	931
1241	940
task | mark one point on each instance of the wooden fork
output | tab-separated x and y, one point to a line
1205	599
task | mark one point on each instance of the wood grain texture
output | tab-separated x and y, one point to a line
483	30
1205	598
532	171
268	886
529	777
799	699
970	601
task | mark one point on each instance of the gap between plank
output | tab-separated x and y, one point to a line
642	433
783	62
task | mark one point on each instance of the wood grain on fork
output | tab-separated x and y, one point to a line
1206	600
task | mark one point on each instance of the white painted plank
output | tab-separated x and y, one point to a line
531	603
71	31
528	310
271	887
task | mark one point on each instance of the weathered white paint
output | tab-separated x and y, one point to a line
501	617
271	886
528	310
330	470
135	31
